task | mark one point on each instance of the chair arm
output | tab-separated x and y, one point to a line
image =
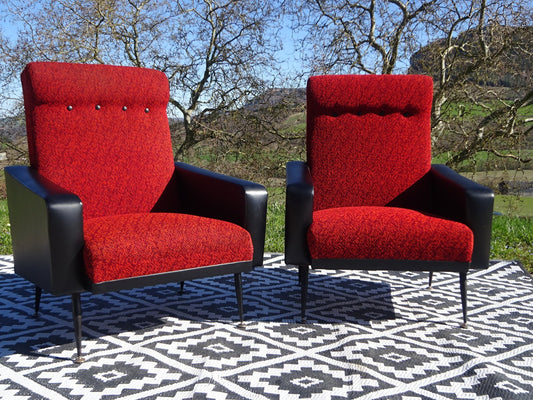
209	194
298	213
46	230
461	199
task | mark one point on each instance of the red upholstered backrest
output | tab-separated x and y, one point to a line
101	132
368	137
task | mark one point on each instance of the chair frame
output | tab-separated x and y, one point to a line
47	233
453	194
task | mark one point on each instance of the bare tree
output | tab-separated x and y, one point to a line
216	53
463	44
365	36
482	69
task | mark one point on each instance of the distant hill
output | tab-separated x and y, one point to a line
288	97
513	70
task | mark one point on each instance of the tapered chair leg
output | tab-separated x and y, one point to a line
76	315
238	291
303	273
182	284
430	279
38	292
462	282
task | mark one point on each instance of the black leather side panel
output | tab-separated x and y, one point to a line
209	194
298	213
461	199
47	231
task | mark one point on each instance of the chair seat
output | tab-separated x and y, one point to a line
129	245
387	233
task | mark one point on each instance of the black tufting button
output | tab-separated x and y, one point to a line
146	110
69	108
98	106
124	108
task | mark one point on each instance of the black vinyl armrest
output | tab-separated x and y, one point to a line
46	230
461	199
209	194
298	213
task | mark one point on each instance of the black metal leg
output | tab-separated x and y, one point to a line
462	281
76	315
238	291
182	284
38	292
303	273
430	279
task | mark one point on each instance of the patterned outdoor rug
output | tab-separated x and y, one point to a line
371	335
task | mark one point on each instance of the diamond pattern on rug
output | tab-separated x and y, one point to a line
307	379
370	335
217	348
118	375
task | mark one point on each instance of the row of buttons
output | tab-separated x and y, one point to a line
98	107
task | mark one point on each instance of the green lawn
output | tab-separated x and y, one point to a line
512	231
5	236
512	239
514	206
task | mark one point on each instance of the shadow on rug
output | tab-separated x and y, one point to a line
370	335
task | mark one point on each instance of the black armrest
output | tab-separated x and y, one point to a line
298	213
461	199
46	230
209	194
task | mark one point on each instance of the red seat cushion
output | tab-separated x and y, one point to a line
129	245
370	232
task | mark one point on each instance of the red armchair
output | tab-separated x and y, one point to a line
104	207
368	196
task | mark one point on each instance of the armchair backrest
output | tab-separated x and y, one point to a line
101	132
368	137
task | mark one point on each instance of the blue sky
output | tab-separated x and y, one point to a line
288	58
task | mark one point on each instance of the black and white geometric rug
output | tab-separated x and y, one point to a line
370	335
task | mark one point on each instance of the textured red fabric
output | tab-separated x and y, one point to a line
129	245
101	132
368	137
387	233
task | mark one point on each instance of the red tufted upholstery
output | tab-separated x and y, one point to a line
127	154
387	233
102	132
368	137
104	207
368	141
368	196
129	245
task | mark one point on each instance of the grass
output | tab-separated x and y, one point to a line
456	109
275	226
514	206
512	239
485	161
512	230
5	233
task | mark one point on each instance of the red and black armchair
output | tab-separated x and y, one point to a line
104	207
368	196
